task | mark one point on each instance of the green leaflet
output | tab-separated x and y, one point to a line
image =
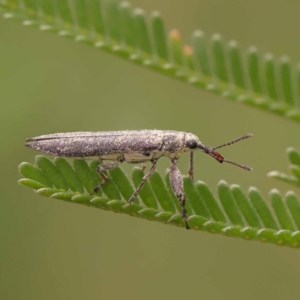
211	63
233	213
294	179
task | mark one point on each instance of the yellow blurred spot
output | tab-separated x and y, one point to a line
31	12
49	19
175	34
187	50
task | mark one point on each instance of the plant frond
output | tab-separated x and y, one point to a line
294	179
220	67
233	214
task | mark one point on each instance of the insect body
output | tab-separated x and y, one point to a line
136	146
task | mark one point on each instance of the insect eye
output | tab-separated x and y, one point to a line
192	144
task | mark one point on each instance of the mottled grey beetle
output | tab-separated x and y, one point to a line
135	146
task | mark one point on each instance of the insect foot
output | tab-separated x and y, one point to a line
185	217
97	188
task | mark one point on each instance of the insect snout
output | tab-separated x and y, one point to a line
216	155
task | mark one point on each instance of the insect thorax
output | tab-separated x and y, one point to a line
173	142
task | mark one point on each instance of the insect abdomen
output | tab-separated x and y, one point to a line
84	144
71	147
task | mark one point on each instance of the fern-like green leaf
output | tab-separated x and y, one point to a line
209	63
233	214
294	179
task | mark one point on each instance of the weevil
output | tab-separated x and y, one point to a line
132	146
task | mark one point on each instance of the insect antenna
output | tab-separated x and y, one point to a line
246	136
221	159
238	165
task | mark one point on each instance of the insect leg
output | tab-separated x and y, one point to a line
145	178
177	186
103	167
191	168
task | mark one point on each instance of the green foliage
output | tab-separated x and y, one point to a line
212	64
294	179
233	214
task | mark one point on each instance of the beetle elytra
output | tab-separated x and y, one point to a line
132	146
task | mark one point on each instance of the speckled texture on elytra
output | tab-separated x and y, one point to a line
133	146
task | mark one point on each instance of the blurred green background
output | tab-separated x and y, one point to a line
54	250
